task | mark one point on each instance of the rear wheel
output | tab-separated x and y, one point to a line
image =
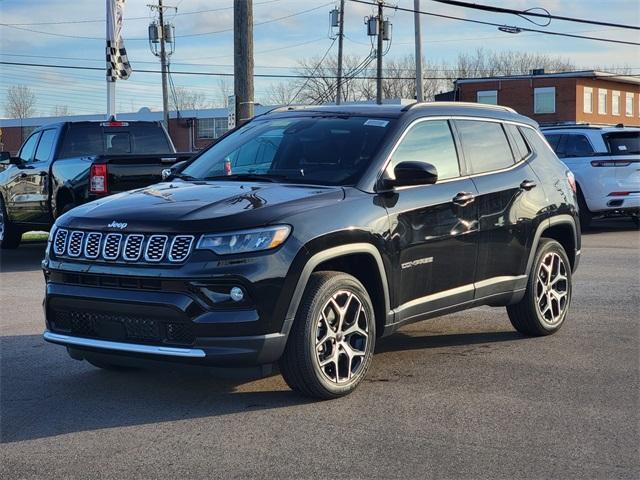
10	235
544	307
332	339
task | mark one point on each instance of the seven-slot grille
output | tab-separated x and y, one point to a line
134	247
155	248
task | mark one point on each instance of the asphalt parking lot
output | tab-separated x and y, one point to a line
463	396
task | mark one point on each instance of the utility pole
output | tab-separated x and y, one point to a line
163	67
243	59
379	53
418	40
161	33
340	41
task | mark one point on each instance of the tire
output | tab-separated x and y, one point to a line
320	333
543	309
10	235
585	214
636	221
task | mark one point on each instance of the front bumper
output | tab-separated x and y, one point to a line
212	351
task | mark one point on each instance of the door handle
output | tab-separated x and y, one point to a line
528	185
23	175
463	198
43	174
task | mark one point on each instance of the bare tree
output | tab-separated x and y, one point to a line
225	88
184	99
20	102
60	111
281	93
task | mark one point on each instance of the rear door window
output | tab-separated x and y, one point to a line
520	148
623	143
577	145
485	145
45	146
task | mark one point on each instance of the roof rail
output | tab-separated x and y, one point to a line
500	108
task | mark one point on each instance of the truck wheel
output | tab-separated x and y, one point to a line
585	214
10	235
331	343
544	307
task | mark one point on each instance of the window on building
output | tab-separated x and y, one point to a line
431	142
544	100
485	145
629	105
615	102
602	101
587	100
212	127
488	97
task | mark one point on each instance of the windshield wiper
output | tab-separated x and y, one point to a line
266	177
183	176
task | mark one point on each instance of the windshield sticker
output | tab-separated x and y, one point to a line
372	122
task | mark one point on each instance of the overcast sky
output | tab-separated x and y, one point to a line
205	42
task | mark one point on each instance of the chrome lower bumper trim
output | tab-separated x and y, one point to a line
122	347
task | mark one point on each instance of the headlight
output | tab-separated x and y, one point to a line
245	241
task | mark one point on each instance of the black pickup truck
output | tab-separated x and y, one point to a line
63	165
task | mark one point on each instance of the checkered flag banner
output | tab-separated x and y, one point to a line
118	66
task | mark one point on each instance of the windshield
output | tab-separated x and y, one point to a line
317	150
623	143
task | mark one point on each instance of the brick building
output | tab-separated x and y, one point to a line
192	130
550	98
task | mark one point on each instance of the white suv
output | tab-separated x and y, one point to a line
606	164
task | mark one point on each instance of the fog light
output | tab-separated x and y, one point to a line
237	295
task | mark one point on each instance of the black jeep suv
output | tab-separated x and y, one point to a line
308	233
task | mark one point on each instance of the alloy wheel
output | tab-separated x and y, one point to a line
342	337
552	288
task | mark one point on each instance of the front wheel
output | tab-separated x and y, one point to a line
10	235
544	307
332	339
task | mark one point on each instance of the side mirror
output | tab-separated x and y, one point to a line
167	173
413	173
16	161
4	156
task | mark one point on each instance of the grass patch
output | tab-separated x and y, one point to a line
35	237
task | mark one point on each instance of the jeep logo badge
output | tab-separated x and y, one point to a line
120	225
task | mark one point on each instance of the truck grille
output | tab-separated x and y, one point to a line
113	247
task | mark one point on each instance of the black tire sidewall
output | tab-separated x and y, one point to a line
12	235
339	281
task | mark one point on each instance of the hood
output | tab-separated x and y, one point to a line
196	207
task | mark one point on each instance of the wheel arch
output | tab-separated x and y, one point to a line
364	262
563	229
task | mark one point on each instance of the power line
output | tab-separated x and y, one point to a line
216	74
530	13
226	30
499	25
313	72
102	20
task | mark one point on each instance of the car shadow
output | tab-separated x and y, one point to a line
608	225
26	258
45	393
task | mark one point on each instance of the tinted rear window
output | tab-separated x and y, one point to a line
485	145
94	139
623	143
